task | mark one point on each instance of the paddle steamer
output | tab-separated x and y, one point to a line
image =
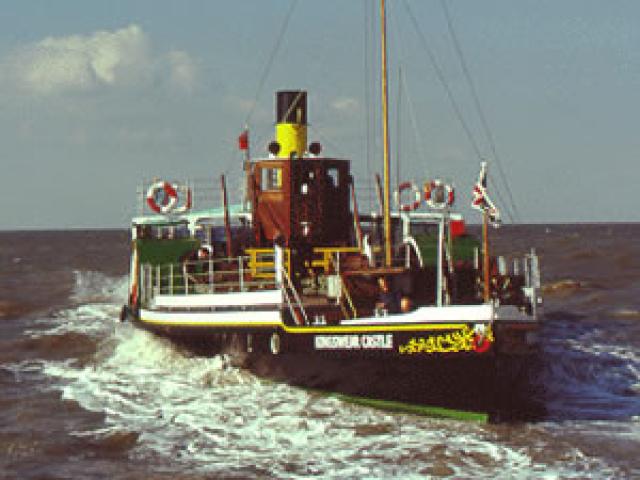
393	301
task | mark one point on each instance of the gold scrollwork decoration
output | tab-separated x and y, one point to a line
462	340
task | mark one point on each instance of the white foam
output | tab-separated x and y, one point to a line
97	300
204	415
96	287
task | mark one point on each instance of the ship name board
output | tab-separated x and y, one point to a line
354	342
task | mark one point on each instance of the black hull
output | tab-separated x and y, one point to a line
498	385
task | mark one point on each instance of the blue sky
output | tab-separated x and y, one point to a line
97	96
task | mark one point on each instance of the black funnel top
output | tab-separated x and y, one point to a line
288	104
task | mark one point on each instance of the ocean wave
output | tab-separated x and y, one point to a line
92	320
626	313
107	441
591	376
586	254
11	309
563	315
97	287
59	346
97	299
563	287
204	415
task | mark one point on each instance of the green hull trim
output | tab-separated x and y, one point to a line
403	407
397	406
422	410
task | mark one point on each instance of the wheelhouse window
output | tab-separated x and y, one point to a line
271	179
333	177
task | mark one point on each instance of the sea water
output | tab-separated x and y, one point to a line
85	396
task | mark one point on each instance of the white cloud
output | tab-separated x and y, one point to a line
182	70
344	104
103	59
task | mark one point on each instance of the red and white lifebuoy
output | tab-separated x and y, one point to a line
170	197
183	192
430	192
417	197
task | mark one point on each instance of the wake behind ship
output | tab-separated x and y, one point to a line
304	287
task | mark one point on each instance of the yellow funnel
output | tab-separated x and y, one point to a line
291	126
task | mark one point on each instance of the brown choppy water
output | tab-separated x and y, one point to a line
84	396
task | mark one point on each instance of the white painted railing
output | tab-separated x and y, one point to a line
224	275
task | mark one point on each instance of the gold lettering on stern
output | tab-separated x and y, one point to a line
461	340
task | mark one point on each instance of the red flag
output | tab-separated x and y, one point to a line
457	228
243	140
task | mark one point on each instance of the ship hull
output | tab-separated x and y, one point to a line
425	364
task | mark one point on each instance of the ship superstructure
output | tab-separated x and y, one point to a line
293	276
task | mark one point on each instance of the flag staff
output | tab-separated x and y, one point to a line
485	254
490	213
243	145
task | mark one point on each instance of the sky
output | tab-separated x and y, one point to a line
96	97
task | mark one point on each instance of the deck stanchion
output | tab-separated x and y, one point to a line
171	279
241	273
440	265
279	263
149	282
157	290
211	287
143	289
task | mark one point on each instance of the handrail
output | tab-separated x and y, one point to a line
202	191
327	255
343	289
256	265
202	276
347	295
409	241
297	298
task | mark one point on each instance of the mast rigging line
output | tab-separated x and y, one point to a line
476	99
373	108
271	59
398	125
368	100
454	104
404	87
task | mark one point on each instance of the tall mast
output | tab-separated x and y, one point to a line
385	136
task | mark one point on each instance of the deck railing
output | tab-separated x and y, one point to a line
256	271
262	262
196	194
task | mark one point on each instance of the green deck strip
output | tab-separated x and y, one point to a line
463	247
162	252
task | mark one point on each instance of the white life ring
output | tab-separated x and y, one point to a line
430	192
171	197
417	197
183	192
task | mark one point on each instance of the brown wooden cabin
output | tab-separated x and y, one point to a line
305	201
